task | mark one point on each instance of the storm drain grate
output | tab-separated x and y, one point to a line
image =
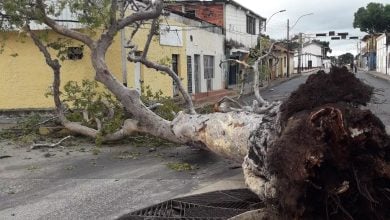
214	205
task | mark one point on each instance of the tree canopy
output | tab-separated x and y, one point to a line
346	58
374	18
325	45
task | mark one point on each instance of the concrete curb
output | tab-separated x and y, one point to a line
379	75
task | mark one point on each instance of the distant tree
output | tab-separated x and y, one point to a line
346	58
325	45
374	18
333	60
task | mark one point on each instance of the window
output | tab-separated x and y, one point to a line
175	68
189	74
75	53
190	13
175	63
208	67
250	25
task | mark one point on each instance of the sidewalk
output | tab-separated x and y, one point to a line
379	75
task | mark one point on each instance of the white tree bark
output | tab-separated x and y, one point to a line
227	134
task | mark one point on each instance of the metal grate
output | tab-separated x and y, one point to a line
214	205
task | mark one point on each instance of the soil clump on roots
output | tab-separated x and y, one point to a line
332	158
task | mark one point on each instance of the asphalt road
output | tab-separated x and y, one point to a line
381	104
77	184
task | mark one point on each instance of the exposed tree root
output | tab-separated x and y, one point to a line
331	159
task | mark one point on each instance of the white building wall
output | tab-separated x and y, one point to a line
381	55
311	52
202	42
66	18
235	25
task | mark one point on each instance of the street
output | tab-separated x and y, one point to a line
75	183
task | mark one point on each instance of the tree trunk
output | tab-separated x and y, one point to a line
331	159
316	156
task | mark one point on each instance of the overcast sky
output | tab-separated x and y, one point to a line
329	15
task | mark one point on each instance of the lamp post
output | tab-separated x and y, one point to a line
288	40
265	27
387	44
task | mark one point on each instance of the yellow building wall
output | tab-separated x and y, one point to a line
156	80
25	78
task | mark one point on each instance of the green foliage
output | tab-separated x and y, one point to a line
168	107
207	109
325	45
165	61
60	45
180	166
346	58
88	103
149	141
128	155
264	71
25	131
92	14
374	18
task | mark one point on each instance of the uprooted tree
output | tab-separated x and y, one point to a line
317	155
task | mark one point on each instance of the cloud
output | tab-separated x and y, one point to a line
330	15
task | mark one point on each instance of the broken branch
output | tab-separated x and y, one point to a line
46	145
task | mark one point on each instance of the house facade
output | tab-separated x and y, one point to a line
383	54
311	57
368	52
278	65
182	42
241	28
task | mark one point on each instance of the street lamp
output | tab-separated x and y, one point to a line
259	38
288	42
265	26
300	19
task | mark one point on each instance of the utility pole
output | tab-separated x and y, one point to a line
387	43
288	48
123	47
360	56
300	53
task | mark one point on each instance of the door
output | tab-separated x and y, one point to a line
310	64
233	72
137	75
197	73
175	68
189	74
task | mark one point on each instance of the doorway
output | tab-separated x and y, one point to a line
197	73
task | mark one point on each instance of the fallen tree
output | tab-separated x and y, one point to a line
315	156
330	159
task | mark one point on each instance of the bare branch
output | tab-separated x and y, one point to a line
113	10
139	16
37	146
52	63
154	106
256	86
150	37
62	30
269	52
236	61
171	73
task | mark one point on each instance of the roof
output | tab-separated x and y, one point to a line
281	48
312	42
368	36
232	2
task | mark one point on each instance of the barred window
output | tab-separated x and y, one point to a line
208	67
250	25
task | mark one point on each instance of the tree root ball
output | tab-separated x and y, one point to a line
331	158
